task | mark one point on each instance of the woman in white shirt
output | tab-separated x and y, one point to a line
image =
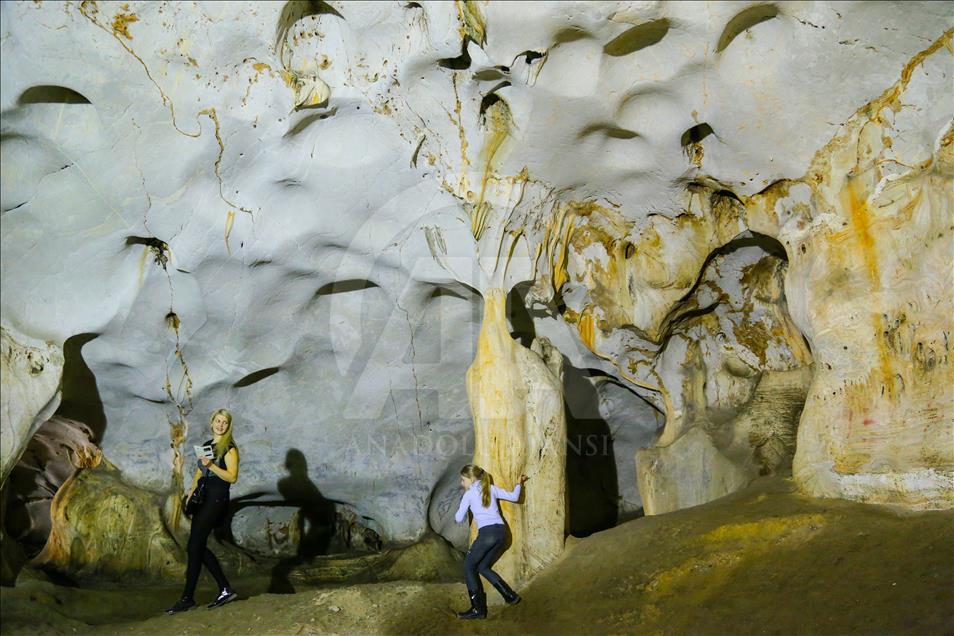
480	497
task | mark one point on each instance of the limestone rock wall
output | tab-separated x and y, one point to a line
736	370
240	204
30	374
624	283
56	451
872	282
105	528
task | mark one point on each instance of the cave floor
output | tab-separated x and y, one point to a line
762	561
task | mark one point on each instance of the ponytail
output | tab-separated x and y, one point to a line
485	481
472	471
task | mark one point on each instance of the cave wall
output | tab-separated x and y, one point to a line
53	455
870	285
737	371
292	209
31	374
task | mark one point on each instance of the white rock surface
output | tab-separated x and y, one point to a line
30	373
235	200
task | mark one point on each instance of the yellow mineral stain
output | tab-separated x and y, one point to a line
850	463
464	161
587	329
695	152
766	529
853	200
890	98
885	358
607	227
142	265
578	225
753	336
556	241
90	11
945	41
121	22
906	213
497	396
498	116
259	68
471	20
211	114
229	219
177	434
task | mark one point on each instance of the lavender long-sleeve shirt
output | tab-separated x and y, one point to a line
484	516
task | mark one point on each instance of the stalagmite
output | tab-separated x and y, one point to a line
516	396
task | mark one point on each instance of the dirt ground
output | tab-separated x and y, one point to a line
763	561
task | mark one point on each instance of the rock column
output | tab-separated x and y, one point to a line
516	400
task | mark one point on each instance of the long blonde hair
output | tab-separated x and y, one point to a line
222	446
473	471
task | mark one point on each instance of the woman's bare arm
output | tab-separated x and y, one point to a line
230	473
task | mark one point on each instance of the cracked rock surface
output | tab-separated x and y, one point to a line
724	213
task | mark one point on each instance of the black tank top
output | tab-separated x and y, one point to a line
216	487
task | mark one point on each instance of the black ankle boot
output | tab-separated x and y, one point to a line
478	607
509	596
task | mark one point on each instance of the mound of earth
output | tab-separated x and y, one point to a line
763	561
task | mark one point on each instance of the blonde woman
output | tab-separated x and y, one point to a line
219	474
480	497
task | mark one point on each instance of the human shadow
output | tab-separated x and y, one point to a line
591	479
316	520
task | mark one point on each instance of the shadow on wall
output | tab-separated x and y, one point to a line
316	519
521	322
81	401
323	527
591	481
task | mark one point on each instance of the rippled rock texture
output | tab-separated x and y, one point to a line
732	219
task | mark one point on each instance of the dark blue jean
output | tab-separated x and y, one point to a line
484	551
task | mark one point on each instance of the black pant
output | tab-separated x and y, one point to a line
210	515
484	551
